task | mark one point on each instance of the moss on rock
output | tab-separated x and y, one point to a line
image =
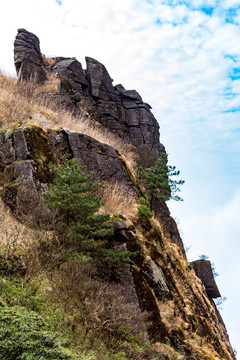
40	151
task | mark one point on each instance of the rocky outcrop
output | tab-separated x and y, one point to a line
122	111
204	271
100	83
73	79
25	154
172	305
27	57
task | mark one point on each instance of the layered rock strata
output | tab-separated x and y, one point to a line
122	111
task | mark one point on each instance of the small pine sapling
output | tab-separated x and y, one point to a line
158	182
144	212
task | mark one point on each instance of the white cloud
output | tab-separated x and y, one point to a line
228	4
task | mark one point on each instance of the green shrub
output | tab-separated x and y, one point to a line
78	256
144	212
27	294
189	267
143	201
116	255
24	335
157	181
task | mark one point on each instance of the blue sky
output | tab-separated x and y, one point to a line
183	57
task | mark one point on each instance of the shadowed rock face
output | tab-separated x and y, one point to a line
100	82
203	270
27	57
122	111
25	154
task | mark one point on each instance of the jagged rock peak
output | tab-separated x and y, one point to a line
99	80
122	111
27	57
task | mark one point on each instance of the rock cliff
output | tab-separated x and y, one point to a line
171	298
122	111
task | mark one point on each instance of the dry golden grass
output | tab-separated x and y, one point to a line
17	102
20	102
168	351
51	86
13	234
12	108
199	346
117	199
85	124
189	290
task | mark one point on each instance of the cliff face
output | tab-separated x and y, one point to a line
171	307
122	111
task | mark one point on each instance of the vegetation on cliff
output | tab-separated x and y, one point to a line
74	195
158	182
85	300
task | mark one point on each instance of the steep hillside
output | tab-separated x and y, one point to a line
149	303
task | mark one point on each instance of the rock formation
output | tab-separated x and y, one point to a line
21	151
27	57
122	111
203	270
174	306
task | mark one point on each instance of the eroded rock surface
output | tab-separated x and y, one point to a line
169	224
122	111
73	78
100	82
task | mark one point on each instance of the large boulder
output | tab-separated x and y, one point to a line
27	57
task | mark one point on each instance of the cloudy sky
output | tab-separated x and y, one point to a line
183	57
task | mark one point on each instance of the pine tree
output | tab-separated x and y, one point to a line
73	195
157	181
